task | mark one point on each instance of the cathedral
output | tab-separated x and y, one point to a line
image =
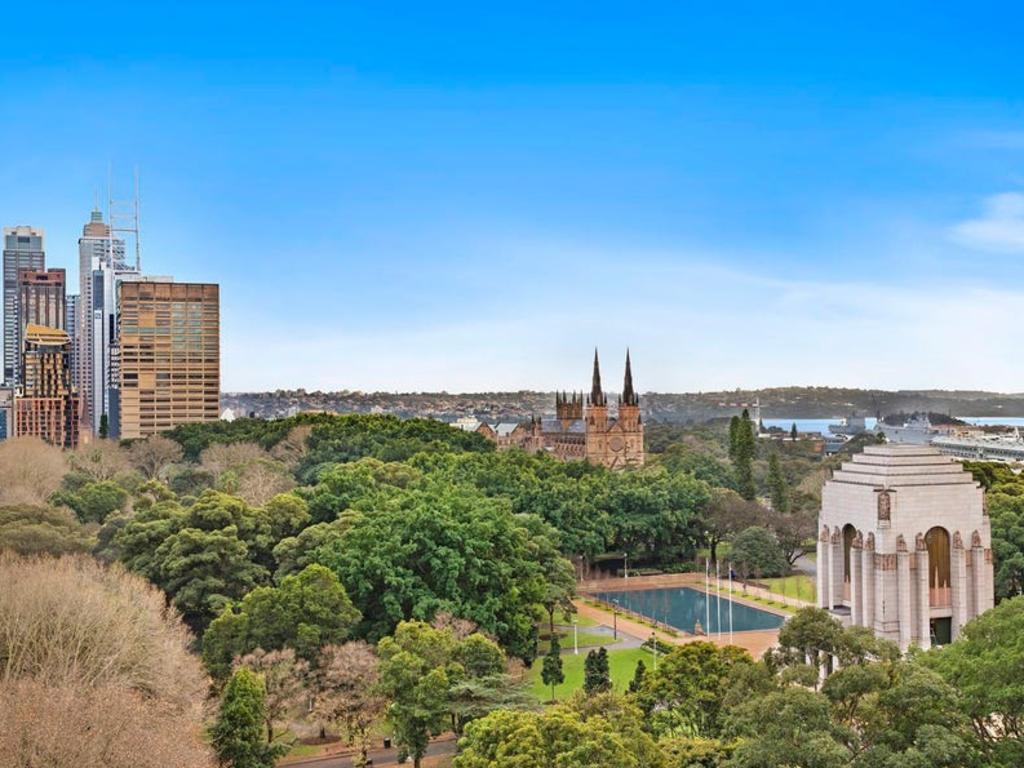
582	427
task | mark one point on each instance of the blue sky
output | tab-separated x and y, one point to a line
451	196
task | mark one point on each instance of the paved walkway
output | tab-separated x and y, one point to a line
625	640
442	747
807	564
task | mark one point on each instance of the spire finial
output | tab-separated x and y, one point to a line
628	395
596	393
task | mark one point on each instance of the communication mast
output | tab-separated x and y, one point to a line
123	216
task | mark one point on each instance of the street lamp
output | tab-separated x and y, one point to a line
654	645
625	565
575	638
615	619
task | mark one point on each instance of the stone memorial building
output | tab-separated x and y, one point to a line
904	545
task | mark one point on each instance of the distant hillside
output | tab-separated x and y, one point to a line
679	408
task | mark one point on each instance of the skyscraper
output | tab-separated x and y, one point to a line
23	249
101	266
169	360
41	300
46	406
6	412
71	326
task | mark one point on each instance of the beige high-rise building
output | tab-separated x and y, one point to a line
169	350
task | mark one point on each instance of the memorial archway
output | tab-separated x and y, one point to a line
938	544
849	534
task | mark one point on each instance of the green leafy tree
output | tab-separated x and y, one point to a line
743	444
104	426
596	672
94	501
986	667
696	752
756	552
437	681
686	695
551	672
308	610
639	675
29	529
777	486
482	565
203	571
237	735
793	433
603	731
284	678
294	553
789	727
414	674
734	440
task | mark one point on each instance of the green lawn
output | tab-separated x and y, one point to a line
622	665
566	619
800	586
738	592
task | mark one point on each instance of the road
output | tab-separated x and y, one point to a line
380	757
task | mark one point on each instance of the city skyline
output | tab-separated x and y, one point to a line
803	199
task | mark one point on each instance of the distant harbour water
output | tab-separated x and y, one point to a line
812	425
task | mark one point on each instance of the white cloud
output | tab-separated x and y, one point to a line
692	324
1000	228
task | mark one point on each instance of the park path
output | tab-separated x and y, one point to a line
625	641
442	747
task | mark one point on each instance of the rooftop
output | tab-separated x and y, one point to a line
893	466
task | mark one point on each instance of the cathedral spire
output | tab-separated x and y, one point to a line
596	393
628	396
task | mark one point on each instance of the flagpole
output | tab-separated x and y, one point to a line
730	603
707	595
718	585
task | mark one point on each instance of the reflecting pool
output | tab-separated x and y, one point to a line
682	608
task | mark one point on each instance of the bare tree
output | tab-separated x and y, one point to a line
100	460
73	623
348	693
109	726
728	514
285	679
261	481
154	455
460	628
292	449
94	670
221	457
30	470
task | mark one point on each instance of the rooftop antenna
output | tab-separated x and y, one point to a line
123	216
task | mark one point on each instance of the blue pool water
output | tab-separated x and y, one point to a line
683	607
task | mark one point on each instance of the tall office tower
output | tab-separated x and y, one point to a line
23	249
41	300
6	412
46	405
169	340
101	266
71	326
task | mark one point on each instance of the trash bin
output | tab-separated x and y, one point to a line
387	743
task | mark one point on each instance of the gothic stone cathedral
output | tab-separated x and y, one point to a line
582	427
